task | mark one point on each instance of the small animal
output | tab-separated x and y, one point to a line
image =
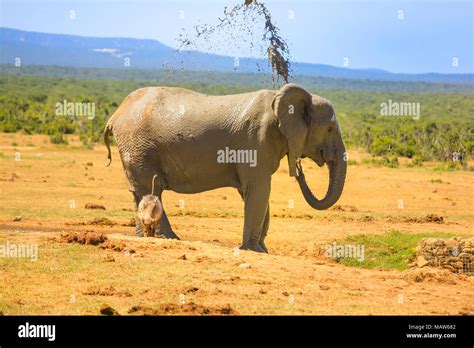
150	211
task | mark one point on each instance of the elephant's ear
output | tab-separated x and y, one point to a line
292	105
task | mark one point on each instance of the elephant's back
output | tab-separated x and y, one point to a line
181	132
166	111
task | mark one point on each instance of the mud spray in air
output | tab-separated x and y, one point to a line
250	28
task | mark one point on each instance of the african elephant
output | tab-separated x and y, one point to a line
196	142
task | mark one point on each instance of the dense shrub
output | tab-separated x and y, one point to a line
445	128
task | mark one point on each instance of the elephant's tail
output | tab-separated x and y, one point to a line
107	132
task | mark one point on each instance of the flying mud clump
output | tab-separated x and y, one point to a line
240	25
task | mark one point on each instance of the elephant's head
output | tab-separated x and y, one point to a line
309	125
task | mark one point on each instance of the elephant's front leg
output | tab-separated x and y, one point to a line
256	195
266	225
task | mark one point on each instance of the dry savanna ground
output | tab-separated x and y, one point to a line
46	187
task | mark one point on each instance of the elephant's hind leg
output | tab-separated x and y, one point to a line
164	228
138	224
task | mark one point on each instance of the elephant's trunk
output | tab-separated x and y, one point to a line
337	176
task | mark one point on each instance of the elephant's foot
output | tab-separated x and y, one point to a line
263	246
254	246
167	235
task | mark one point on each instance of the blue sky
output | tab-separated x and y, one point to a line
430	37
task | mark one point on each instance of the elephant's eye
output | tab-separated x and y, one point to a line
330	129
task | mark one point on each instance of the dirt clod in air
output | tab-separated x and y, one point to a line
105	309
239	25
94	206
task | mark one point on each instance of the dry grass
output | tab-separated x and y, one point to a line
49	178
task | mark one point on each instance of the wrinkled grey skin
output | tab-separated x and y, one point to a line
177	134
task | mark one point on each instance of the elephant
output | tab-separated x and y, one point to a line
196	142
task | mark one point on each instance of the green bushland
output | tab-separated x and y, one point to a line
392	250
445	126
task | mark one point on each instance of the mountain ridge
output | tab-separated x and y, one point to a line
35	48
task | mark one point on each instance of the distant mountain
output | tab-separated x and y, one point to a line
77	51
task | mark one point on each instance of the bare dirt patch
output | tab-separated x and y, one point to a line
182	309
92	238
430	218
211	278
105	309
97	221
98	239
102	221
106	291
94	206
420	275
130	223
349	208
295	264
11	177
